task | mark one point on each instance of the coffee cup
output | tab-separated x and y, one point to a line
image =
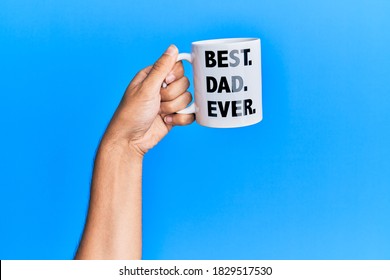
227	82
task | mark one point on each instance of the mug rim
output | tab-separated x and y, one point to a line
224	41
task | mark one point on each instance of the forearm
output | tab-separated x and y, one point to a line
114	225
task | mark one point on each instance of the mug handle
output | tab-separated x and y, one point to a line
190	109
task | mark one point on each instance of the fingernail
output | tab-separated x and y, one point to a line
170	78
168	119
172	50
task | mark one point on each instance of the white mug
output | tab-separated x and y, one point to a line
227	82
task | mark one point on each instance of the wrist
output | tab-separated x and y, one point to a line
120	149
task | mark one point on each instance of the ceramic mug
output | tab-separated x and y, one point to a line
227	82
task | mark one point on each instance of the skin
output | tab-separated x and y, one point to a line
146	114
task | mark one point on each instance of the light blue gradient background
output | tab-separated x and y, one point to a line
311	181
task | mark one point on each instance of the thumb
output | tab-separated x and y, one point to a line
162	67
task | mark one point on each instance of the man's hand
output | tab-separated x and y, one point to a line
145	115
147	111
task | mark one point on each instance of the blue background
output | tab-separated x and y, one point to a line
311	181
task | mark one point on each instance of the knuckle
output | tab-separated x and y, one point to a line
158	66
180	120
179	69
168	95
185	119
186	82
180	66
171	94
188	96
169	107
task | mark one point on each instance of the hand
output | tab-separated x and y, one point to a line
146	112
144	116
